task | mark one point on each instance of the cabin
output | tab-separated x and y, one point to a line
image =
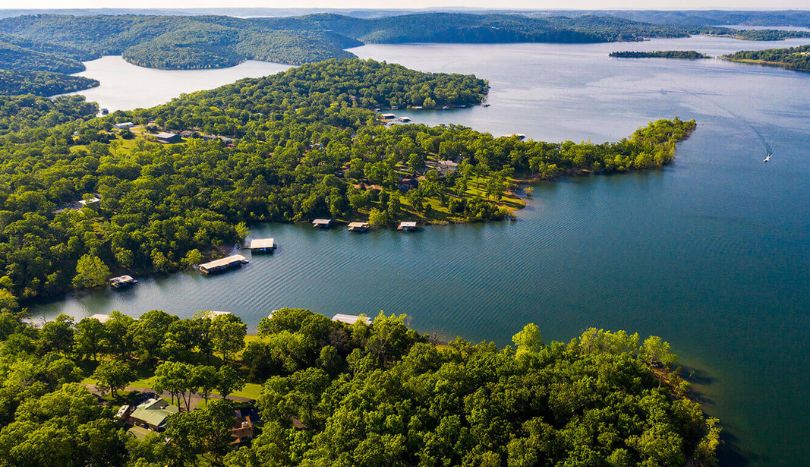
124	125
152	414
122	282
168	138
101	318
223	264
358	227
262	245
407	226
388	116
446	167
351	319
322	223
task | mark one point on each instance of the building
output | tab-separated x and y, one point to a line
243	428
168	138
223	264
124	125
152	414
358	226
447	167
351	319
407	226
262	245
122	282
322	223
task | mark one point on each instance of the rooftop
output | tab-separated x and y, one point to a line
262	243
154	412
224	261
164	134
322	221
350	319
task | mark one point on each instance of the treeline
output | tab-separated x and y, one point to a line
41	83
331	393
794	58
37	114
306	146
682	54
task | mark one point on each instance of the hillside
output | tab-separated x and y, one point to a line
41	83
793	58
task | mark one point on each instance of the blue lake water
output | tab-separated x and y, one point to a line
711	253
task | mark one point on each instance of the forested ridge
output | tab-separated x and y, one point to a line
793	58
329	393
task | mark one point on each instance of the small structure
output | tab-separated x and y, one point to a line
168	138
242	429
211	314
447	167
351	319
101	318
223	264
124	125
262	245
322	223
95	198
358	227
407	184
407	226
388	116
122	282
152	414
404	119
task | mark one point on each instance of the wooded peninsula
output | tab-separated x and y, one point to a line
307	390
83	197
793	58
681	54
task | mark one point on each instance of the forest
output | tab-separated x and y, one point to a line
41	83
793	58
306	144
681	54
328	393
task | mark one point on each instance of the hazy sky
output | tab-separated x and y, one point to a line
536	4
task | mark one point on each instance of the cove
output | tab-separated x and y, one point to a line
712	253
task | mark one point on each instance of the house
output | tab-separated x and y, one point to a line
322	223
223	264
262	245
168	138
351	319
407	226
124	125
447	167
122	282
358	226
152	414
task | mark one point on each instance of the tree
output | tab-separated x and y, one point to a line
90	338
112	376
57	335
176	378
528	340
90	272
229	381
377	218
8	302
206	379
228	334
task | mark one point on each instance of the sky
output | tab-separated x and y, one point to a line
388	4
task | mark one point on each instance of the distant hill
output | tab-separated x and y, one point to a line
41	83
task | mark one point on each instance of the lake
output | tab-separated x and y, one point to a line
712	253
125	86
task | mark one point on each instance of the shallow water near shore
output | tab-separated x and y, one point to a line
712	253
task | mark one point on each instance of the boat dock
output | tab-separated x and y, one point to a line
351	319
121	282
262	245
358	227
322	223
408	226
223	264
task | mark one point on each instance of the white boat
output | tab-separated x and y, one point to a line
767	158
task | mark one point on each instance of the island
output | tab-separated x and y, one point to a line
793	58
351	390
178	184
680	54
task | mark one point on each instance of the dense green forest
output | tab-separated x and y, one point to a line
682	54
41	83
766	34
794	58
330	393
14	57
37	114
306	145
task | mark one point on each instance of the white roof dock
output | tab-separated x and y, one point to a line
388	116
358	226
262	244
350	319
322	222
102	318
211	314
407	225
223	263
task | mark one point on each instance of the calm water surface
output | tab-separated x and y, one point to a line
125	86
712	253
